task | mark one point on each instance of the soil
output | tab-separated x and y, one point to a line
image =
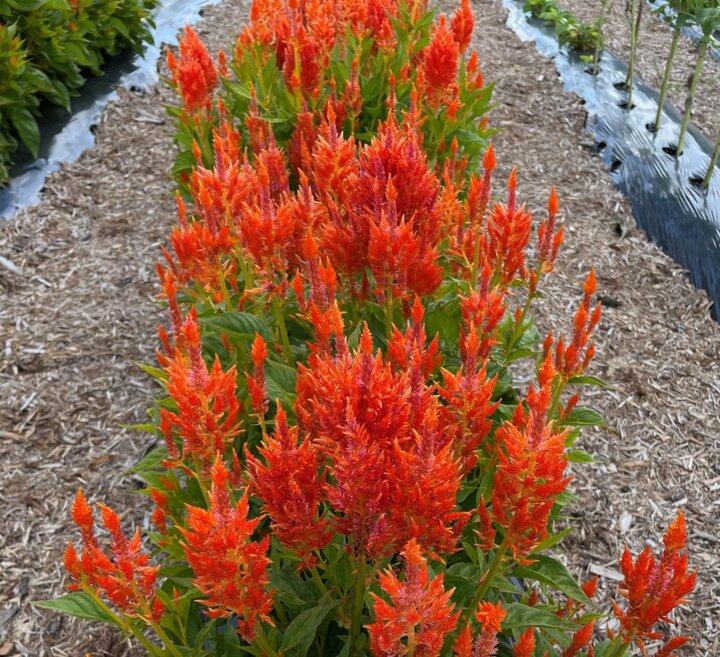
78	312
653	48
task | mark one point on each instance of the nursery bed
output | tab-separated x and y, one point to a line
653	47
77	286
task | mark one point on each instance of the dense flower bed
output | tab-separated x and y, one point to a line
351	465
46	49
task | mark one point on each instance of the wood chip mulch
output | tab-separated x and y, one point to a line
77	310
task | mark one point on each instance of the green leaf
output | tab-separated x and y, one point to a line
579	456
520	617
583	417
301	632
78	604
238	322
552	572
151	461
27	128
590	381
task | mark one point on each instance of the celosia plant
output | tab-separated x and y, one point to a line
296	62
349	467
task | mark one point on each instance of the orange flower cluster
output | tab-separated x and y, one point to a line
207	407
392	471
529	475
124	574
286	479
230	568
490	616
418	614
654	587
194	73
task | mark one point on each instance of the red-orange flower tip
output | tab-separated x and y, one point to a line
676	534
489	160
82	513
553	203
490	616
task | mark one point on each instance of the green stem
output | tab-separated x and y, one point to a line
264	645
691	95
713	162
620	649
124	623
666	78
487	580
282	329
518	328
318	582
166	640
389	309
356	620
596	56
635	14
198	478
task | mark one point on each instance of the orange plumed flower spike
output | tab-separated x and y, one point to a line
418	611
194	72
525	645
440	63
490	616
230	569
123	575
206	419
529	474
654	587
291	490
576	357
580	640
462	25
257	384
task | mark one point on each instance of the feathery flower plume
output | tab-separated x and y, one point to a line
529	475
654	587
230	568
417	616
291	490
462	25
206	401
525	645
574	359
123	574
194	73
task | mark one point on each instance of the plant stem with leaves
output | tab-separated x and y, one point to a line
691	95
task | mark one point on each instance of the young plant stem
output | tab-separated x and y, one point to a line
635	15
264	645
620	649
389	310
713	162
356	620
691	95
494	569
598	41
666	78
123	623
282	329
518	328
318	582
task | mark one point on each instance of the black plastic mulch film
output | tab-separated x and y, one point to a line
664	190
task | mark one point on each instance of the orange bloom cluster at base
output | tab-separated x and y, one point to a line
417	616
123	574
654	587
230	568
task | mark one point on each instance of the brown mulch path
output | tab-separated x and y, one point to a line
81	310
653	48
77	312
